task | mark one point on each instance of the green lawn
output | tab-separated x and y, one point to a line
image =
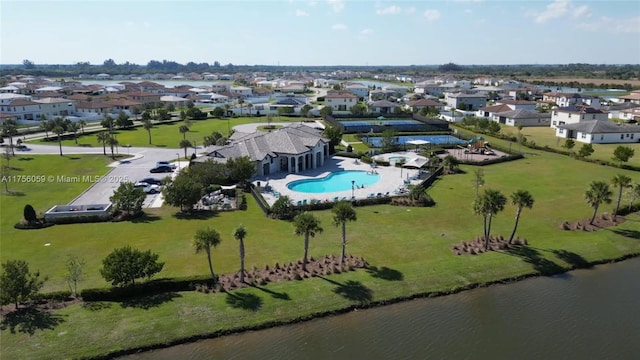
415	242
546	136
168	134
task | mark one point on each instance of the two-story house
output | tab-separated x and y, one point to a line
340	100
575	114
469	101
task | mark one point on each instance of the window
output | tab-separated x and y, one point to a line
583	135
593	116
569	116
621	136
601	137
560	131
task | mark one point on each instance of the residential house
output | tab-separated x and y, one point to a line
375	95
470	101
522	117
56	107
630	115
599	132
614	109
340	100
575	114
418	105
22	109
518	104
569	99
243	91
174	100
357	89
489	111
291	149
383	107
143	97
633	97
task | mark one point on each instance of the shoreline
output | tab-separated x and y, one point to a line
344	310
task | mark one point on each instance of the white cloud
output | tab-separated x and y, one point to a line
336	5
556	9
630	25
391	10
581	12
339	27
366	32
432	15
301	13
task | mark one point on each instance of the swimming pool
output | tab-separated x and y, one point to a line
433	139
398	159
338	181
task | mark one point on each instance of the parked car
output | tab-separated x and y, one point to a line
148	188
151	180
162	169
165	163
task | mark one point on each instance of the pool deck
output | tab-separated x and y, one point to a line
391	179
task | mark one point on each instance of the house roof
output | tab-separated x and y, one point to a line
516	102
580	109
293	139
464	95
601	127
524	114
424	102
496	108
383	104
22	102
340	95
51	100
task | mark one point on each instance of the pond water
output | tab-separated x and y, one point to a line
585	314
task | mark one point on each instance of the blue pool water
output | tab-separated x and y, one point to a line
398	158
339	181
434	139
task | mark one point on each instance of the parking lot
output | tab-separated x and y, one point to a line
130	170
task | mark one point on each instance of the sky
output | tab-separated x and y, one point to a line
321	32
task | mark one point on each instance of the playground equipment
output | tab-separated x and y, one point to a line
479	146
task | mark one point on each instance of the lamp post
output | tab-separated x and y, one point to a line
178	155
353	189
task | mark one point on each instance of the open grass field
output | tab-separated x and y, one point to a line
413	242
633	82
546	136
168	134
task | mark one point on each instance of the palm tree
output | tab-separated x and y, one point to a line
147	125
597	194
113	141
185	144
343	212
73	128
488	205
479	181
249	106
59	130
241	102
451	163
635	193
82	124
521	199
103	137
622	182
184	129
44	125
239	233
203	241
10	129
308	225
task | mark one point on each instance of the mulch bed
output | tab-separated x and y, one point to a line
323	266
496	243
600	222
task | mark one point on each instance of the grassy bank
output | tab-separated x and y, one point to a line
414	244
168	134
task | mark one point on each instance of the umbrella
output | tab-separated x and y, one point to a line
416	163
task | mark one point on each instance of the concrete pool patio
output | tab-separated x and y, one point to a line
391	179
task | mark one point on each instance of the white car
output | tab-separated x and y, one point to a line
148	188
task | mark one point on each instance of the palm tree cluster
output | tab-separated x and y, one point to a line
491	202
305	224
